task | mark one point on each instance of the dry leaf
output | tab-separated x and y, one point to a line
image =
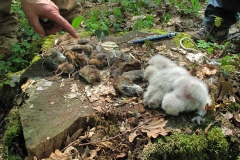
73	137
209	70
106	144
92	153
199	74
160	48
226	131
155	128
124	50
132	136
59	155
73	152
98	108
228	115
25	85
121	155
225	87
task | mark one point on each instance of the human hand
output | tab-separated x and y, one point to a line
38	10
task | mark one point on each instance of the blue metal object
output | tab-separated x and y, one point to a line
154	38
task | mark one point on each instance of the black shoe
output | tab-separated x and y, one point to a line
206	34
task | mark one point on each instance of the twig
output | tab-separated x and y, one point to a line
74	143
209	126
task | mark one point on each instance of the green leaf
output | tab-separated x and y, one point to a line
218	21
76	22
101	34
7	82
1	56
148	42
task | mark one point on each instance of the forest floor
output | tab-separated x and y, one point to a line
123	128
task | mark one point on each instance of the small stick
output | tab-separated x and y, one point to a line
209	126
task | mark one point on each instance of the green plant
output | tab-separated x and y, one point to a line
76	22
97	24
195	7
24	29
230	63
210	47
204	45
166	17
17	61
132	5
118	13
145	23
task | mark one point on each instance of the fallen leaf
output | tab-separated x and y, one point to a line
25	85
209	70
236	119
225	88
199	74
106	144
228	115
73	137
160	48
73	152
93	154
98	108
59	155
121	155
155	128
132	136
226	131
124	50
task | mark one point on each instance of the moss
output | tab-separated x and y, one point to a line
156	31
12	136
186	43
36	46
121	33
180	146
35	59
234	148
84	33
48	42
217	144
14	157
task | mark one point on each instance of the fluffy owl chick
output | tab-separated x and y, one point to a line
189	94
161	62
161	83
149	71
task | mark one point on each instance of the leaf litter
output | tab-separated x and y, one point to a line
121	130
